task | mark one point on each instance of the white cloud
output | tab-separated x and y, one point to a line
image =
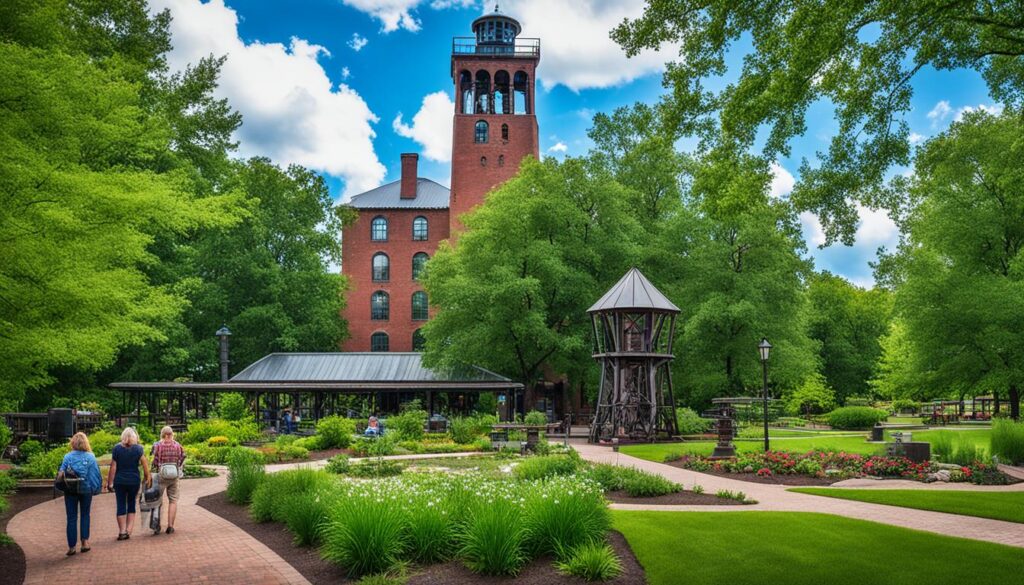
916	138
875	228
576	50
940	112
358	42
994	110
392	14
558	147
345	73
291	111
445	4
431	126
782	180
814	234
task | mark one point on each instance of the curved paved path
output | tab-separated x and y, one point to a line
775	498
203	549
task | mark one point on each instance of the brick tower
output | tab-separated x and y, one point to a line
495	119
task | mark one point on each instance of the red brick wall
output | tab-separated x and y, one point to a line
357	263
471	180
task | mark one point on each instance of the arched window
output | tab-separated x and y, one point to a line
502	87
381	267
379	229
419	260
481	132
419	306
380	306
501	160
419	343
504	131
520	91
483	92
419	229
379	341
466	91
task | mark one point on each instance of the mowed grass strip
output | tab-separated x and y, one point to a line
1007	506
797	548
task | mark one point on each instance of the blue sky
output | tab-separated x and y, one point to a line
322	83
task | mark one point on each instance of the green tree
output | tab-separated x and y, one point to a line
848	323
513	294
813	396
896	374
858	56
962	297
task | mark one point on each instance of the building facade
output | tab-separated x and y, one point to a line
400	224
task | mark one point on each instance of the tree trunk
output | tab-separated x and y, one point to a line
1014	402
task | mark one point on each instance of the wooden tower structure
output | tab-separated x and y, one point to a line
633	326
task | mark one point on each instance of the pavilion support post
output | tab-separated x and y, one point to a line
430	403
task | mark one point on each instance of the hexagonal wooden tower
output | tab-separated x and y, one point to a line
634	324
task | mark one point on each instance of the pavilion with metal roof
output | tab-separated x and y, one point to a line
310	384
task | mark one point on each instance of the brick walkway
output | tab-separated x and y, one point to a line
776	498
203	549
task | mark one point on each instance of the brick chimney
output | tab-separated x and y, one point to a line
410	160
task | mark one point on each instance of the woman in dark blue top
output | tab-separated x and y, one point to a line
123	479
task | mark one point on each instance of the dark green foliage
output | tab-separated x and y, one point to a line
338	464
364	536
409	425
592	562
535	417
466	429
5	437
305	515
494	539
635	482
545	466
375	468
44	464
559	522
690	423
855	417
335	432
29	448
1008	441
232	407
268	500
245	472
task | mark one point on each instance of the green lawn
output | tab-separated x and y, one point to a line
1007	506
801	444
795	548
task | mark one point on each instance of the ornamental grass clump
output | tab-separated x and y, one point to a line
640	484
563	513
365	535
1007	441
245	472
270	496
541	467
305	514
494	538
592	562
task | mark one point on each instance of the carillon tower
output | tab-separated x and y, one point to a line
495	118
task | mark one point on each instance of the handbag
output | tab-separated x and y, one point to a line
169	471
68	482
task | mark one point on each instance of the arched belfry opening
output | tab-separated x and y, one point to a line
633	327
483	92
502	87
466	92
520	93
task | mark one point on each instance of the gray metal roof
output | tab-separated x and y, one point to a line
429	195
355	367
633	291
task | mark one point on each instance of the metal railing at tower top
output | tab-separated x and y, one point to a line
529	48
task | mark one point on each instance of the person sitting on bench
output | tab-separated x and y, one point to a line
373	428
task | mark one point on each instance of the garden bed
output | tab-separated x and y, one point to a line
12	558
307	560
684	498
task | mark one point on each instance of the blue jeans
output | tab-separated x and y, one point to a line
124	496
75	505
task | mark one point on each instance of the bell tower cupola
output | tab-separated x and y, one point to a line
495	124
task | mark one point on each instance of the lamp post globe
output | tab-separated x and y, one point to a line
764	349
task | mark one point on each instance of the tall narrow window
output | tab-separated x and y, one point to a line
379	229
481	132
504	131
419	229
380	306
466	91
419	343
419	306
483	92
520	93
379	341
381	267
419	260
502	89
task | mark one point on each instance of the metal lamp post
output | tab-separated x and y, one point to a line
764	348
222	335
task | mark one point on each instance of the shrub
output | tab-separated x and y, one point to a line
245	472
431	532
1007	441
641	484
375	468
44	465
381	446
855	417
364	535
535	418
7	483
592	562
304	515
311	443
541	467
493	538
904	404
689	422
29	448
232	407
409	425
563	517
218	441
102	441
5	437
201	431
276	488
335	432
467	429
942	446
338	464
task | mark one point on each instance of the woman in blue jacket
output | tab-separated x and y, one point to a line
77	505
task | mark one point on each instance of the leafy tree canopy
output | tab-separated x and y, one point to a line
858	56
